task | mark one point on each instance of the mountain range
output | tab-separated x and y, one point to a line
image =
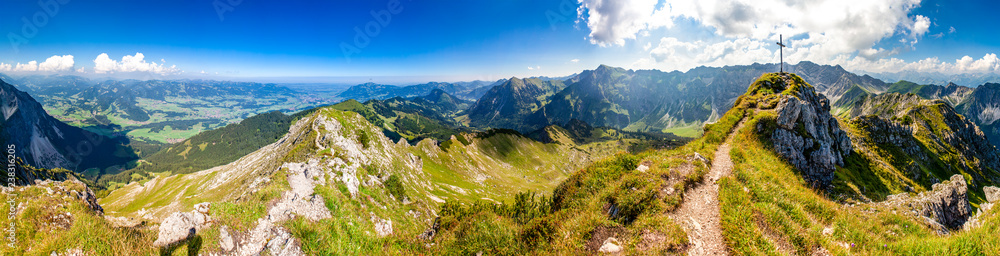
819	161
42	141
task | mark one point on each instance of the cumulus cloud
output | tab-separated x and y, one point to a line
31	66
57	64
845	25
822	31
131	63
920	25
613	21
966	64
674	54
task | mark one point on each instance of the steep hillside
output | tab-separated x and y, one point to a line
207	149
511	104
983	107
431	116
44	142
951	93
927	140
850	97
364	190
50	213
786	216
442	101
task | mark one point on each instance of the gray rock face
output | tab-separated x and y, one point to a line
809	137
947	205
181	226
992	194
948	202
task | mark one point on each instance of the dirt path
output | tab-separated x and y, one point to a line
699	214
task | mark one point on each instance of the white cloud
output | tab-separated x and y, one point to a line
848	24
31	66
575	60
822	31
920	25
613	21
531	68
951	30
673	54
131	63
81	70
966	64
57	64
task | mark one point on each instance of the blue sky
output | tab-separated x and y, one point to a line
464	40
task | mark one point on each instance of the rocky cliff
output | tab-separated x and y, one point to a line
804	131
944	208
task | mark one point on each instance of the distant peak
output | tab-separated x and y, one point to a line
604	67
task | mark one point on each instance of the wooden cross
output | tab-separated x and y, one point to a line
782	50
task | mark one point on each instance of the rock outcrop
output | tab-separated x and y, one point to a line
181	226
945	208
992	197
992	194
73	189
806	134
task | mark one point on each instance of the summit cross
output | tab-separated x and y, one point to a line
782	50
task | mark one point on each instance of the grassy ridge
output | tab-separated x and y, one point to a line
788	217
609	198
768	209
46	222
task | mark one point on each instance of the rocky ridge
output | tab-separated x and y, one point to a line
930	132
805	132
945	208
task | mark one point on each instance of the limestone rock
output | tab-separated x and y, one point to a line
179	227
946	205
383	227
992	194
225	240
809	137
610	246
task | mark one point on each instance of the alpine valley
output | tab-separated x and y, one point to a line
716	160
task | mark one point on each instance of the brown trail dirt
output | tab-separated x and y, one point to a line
699	214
